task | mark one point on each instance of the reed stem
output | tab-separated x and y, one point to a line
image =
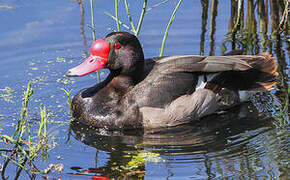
156	5
238	21
94	33
117	14
121	23
67	93
93	20
43	123
168	26
19	149
129	16
141	17
213	15
23	117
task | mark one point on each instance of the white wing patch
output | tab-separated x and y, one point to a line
203	79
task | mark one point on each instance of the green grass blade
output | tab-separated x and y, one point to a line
121	23
117	14
168	26
141	17
21	121
129	16
93	20
94	32
156	5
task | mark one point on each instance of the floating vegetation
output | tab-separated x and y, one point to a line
141	158
135	167
254	26
7	7
46	73
58	59
40	80
32	63
34	68
7	95
66	81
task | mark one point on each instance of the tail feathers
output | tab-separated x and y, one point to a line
266	86
260	77
264	62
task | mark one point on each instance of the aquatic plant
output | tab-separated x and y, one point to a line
251	29
94	31
7	94
136	165
68	96
22	148
132	27
136	30
7	7
168	26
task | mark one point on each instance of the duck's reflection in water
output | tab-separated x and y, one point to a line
221	135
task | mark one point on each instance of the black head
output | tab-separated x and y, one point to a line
121	52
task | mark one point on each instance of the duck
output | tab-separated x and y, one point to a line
167	91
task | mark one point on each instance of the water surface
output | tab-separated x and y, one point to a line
40	40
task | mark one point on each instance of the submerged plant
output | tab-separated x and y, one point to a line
137	163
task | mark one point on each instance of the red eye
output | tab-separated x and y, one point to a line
117	46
